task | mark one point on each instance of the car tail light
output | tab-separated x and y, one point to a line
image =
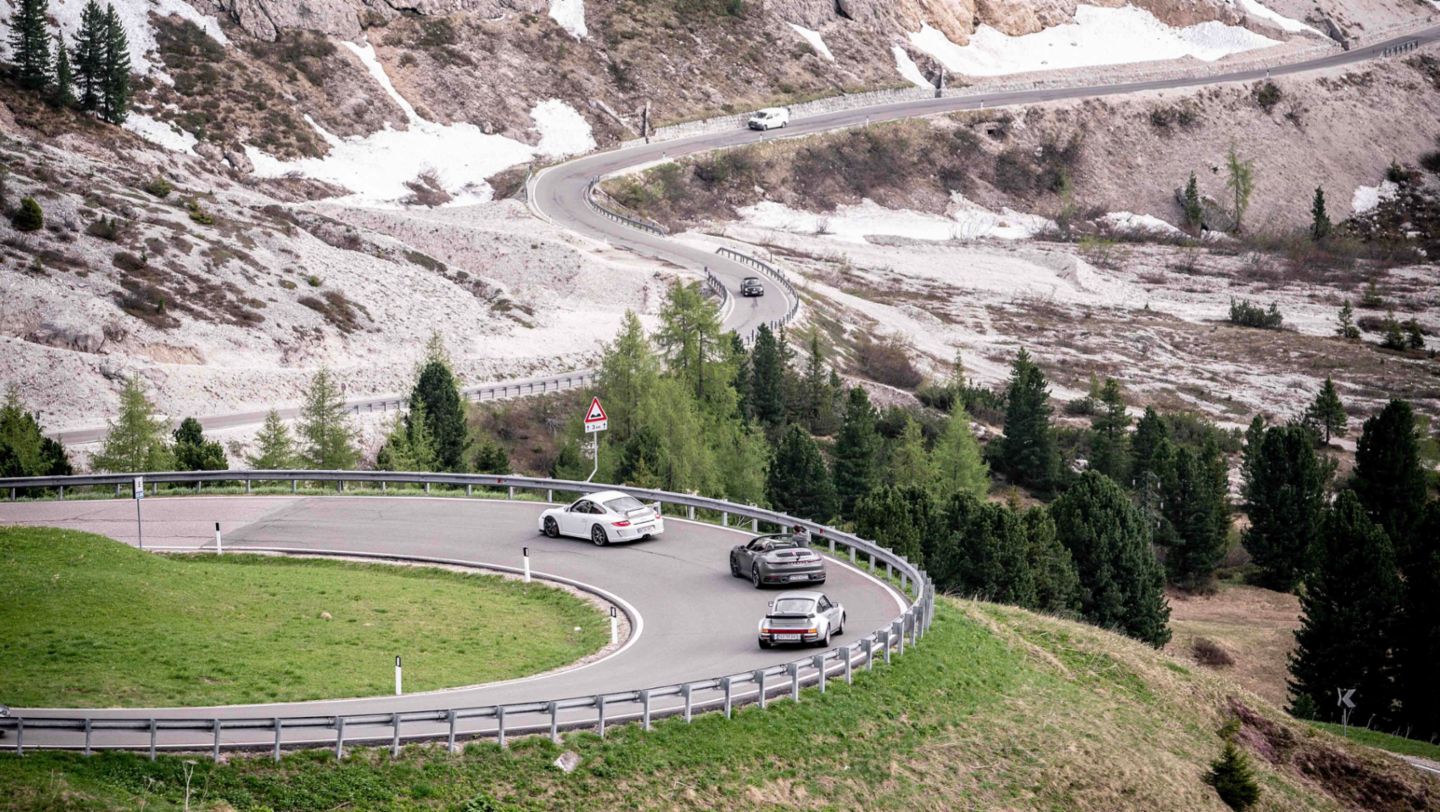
622	523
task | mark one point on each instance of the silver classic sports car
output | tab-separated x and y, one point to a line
603	517
777	559
802	617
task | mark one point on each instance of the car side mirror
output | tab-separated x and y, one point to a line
772	604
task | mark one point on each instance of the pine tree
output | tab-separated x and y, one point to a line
957	460
987	554
325	430
884	516
1284	493
1196	512
274	447
907	465
1057	584
1417	638
857	451
195	453
798	482
640	462
1348	608
1233	779
1194	211
1121	584
62	90
490	458
819	402
1319	220
1147	458
90	55
29	217
115	70
767	379
1389	477
1028	447
30	43
1326	414
1347	328
1108	453
438	393
24	449
135	441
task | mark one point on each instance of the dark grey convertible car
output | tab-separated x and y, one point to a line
777	559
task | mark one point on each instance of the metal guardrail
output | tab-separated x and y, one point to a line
114	730
649	228
502	390
775	274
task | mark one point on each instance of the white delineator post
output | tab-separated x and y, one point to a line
397	674
218	549
525	554
614	627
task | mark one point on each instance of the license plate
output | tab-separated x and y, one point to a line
801	577
787	637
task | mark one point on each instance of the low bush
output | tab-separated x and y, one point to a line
106	228
29	217
1233	779
1267	95
198	214
1210	653
887	362
159	187
1245	314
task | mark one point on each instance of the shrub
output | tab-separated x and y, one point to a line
1232	778
1430	162
199	214
313	281
30	217
887	362
1246	314
159	187
106	228
1267	95
1208	652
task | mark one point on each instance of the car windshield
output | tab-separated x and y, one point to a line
623	504
793	606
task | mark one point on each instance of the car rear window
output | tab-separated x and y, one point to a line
793	606
623	504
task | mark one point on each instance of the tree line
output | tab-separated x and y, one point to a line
92	73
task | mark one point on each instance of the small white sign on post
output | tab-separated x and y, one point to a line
138	488
595	417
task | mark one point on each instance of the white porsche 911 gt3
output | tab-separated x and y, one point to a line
603	517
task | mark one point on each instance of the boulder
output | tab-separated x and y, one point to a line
239	161
69	334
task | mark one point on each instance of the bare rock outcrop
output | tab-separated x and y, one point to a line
346	19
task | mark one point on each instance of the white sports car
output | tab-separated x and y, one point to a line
603	517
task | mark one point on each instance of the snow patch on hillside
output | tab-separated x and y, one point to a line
1280	20
1098	36
963	220
135	17
815	40
1367	198
570	14
366	54
158	132
562	130
909	71
1128	222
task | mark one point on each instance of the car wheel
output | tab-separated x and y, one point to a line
824	642
552	529
842	624
755	577
765	644
597	535
734	567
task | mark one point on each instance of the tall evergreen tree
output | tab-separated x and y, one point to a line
1319	220
193	452
30	43
799	483
1194	211
1347	611
1121	584
1346	322
1326	415
957	460
907	464
436	396
325	429
24	449
628	370
987	554
1284	493
884	516
1389	478
857	451
115	89
1109	454
689	338
90	55
819	398
1196	514
62	89
1028	448
640	462
274	447
135	441
490	458
767	379
1057	583
1417	638
1151	435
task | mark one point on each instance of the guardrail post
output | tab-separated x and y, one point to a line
904	582
645	710
510	494
754	525
12	494
554	711
760	678
62	491
153	727
87	736
549	494
294	485
340	486
685	692
500	724
339	737
278	726
819	662
215	750
852	554
600	712
689	509
870	653
832	545
117	492
888	643
469	490
20	736
849	655
395	736
427	487
794	670
247	486
725	683
900	634
724	518
384	486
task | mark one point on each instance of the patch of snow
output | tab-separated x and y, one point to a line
963	220
1098	36
1367	198
1130	222
158	132
366	53
1280	20
910	72
562	130
816	42
135	17
570	14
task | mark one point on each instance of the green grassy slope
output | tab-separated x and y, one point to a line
87	621
997	709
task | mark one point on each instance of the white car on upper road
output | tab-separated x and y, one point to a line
770	118
603	517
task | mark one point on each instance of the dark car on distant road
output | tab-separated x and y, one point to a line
777	559
752	286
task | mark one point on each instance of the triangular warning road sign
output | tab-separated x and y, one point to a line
596	413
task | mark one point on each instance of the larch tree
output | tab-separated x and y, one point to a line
907	464
135	441
628	369
274	447
1240	180
327	437
957	460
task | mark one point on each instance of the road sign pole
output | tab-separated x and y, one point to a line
138	488
596	421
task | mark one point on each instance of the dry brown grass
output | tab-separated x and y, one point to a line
1254	626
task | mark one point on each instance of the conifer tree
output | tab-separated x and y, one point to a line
767	379
908	465
1108	453
1417	639
689	338
115	87
1347	611
640	459
1319	220
490	458
193	452
1057	584
857	451
90	55
799	483
628	370
62	90
1121	584
1028	447
436	396
30	43
1233	779
1240	180
1147	457
819	397
24	449
274	447
1389	478
884	516
958	462
1194	211
325	429
1346	328
1196	514
1284	493
1326	414
135	441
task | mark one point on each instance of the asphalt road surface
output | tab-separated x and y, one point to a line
693	619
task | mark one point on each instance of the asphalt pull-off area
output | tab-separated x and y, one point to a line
692	619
